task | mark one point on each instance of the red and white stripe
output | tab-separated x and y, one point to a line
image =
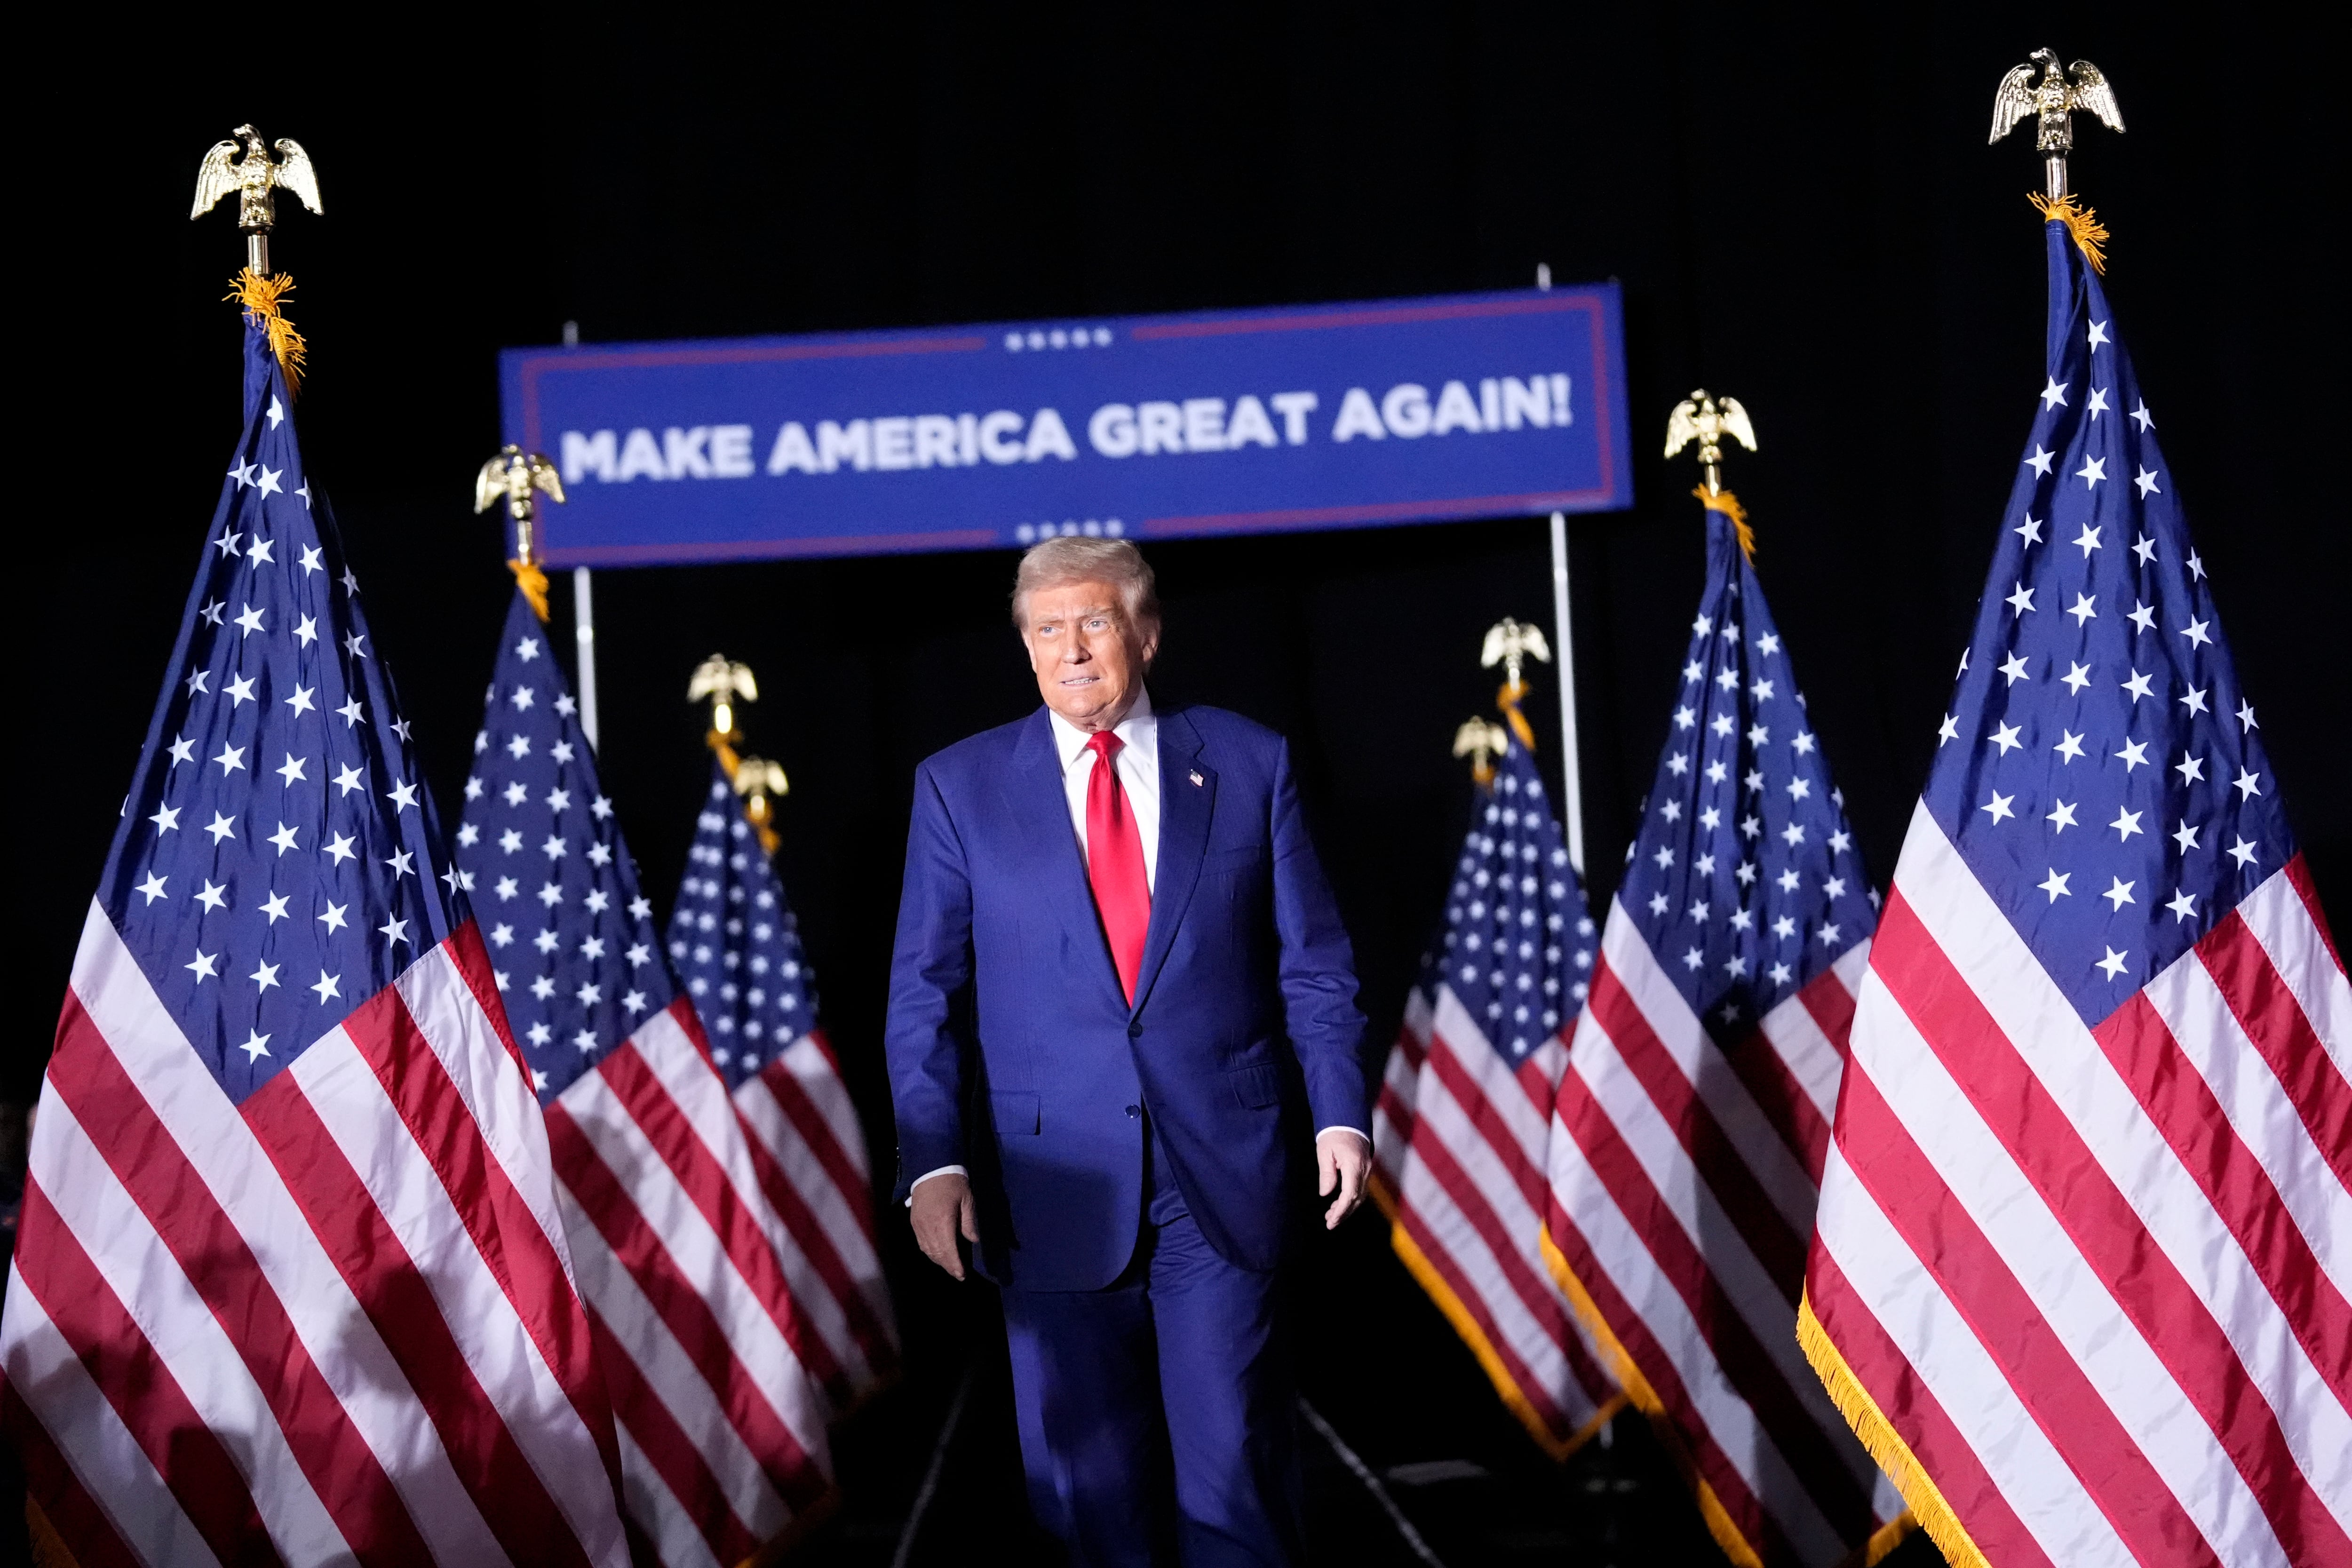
336	1323
2093	1281
1681	1188
809	1153
1458	1137
697	1332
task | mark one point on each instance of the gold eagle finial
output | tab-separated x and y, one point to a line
1482	741
722	680
2053	100
255	178
1708	420
511	476
1510	644
759	781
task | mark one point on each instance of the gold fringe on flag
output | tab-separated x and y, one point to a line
533	584
261	298
1728	505
1727	1535
1646	1399
2080	221
1928	1508
1466	1323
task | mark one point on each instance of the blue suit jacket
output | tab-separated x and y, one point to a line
1013	1052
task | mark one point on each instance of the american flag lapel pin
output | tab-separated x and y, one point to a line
1195	777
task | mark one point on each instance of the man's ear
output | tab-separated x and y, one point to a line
1150	649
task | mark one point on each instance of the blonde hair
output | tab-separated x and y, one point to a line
1079	559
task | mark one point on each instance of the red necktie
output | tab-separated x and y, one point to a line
1115	862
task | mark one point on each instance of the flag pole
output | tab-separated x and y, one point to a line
583	618
584	633
1570	782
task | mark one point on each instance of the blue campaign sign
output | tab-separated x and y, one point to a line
1144	426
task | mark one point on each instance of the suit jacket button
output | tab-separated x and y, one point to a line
1135	1031
1135	1111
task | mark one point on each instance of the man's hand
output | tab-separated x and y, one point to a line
1345	1159
941	1211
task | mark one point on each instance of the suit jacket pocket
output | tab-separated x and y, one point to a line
1015	1113
1256	1086
1242	859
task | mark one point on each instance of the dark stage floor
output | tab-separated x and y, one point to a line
1379	1366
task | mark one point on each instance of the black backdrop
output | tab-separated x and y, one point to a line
1801	209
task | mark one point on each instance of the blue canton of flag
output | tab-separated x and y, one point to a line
570	933
1744	880
1517	948
2100	771
736	942
278	862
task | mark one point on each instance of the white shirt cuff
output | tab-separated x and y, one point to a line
927	1175
960	1171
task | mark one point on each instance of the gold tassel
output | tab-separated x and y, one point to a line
261	298
533	584
1507	699
1927	1507
1728	505
2080	221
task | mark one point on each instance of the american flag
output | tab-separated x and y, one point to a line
697	1332
1459	1128
1688	1133
291	1284
2085	1235
733	939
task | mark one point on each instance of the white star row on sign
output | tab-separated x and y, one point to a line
1037	338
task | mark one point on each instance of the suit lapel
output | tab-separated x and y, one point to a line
1035	797
1184	811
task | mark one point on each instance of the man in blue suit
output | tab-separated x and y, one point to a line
1121	992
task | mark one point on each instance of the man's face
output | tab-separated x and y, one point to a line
1090	660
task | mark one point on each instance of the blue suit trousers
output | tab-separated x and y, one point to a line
1157	1414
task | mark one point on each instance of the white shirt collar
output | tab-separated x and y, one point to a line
1139	728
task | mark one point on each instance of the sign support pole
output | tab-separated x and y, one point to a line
584	621
1571	785
583	614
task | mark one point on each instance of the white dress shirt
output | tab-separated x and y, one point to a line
1138	773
